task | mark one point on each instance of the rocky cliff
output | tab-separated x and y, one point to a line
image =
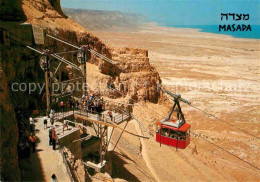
9	133
132	75
12	69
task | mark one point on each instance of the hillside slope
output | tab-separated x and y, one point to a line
105	20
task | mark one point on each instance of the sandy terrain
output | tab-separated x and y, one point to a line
218	74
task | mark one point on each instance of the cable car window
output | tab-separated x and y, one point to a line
181	136
165	132
173	134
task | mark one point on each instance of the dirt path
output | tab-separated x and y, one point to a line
144	154
51	160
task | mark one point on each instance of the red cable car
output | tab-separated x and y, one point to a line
174	133
173	136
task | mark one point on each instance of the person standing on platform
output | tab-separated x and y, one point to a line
77	104
53	137
51	119
45	123
68	104
31	124
62	106
32	139
54	178
50	135
110	114
65	125
71	102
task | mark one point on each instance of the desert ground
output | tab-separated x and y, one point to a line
218	74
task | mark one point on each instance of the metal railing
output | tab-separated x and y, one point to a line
91	114
120	118
117	119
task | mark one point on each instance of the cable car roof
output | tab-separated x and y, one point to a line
183	128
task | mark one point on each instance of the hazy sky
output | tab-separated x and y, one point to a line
175	12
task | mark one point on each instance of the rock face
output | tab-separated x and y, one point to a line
138	78
77	167
132	77
56	5
9	133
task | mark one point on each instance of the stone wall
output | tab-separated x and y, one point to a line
67	141
77	167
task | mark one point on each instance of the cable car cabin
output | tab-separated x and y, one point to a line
173	133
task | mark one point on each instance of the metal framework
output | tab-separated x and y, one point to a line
84	49
176	98
46	54
103	146
100	127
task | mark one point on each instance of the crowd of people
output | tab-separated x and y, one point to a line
92	103
88	102
71	104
